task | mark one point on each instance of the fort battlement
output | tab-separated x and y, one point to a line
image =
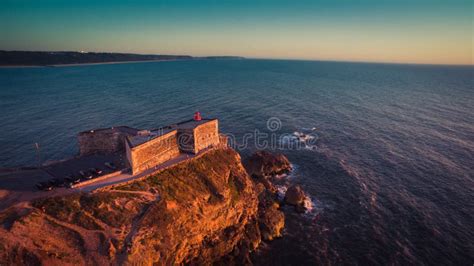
104	140
145	149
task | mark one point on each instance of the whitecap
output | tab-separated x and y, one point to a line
281	191
281	176
313	207
308	204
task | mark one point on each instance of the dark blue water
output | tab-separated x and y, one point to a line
390	171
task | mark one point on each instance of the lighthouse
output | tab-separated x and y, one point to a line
197	116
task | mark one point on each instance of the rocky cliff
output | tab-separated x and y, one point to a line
204	211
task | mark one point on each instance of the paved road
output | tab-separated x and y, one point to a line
123	178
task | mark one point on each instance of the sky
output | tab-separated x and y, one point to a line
398	31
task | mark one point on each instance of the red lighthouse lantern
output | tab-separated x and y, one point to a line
197	116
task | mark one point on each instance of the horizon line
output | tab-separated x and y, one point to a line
257	58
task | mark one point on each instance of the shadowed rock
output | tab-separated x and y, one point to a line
295	196
261	166
265	164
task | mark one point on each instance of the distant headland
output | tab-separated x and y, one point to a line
31	58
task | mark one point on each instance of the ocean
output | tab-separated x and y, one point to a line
385	151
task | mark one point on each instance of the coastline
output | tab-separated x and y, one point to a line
91	64
270	59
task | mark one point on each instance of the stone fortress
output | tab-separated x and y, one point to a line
145	149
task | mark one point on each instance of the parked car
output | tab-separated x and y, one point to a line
92	172
45	186
95	171
57	182
86	175
110	165
90	175
39	186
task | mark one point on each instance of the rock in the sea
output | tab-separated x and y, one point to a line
260	166
295	196
264	164
271	221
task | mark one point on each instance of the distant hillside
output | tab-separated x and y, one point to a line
25	58
220	57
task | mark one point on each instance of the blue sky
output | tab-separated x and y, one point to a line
417	31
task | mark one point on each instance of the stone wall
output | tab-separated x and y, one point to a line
128	154
102	142
223	140
153	152
193	140
191	137
186	140
206	135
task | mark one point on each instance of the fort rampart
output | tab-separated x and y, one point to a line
206	135
145	149
104	141
153	152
